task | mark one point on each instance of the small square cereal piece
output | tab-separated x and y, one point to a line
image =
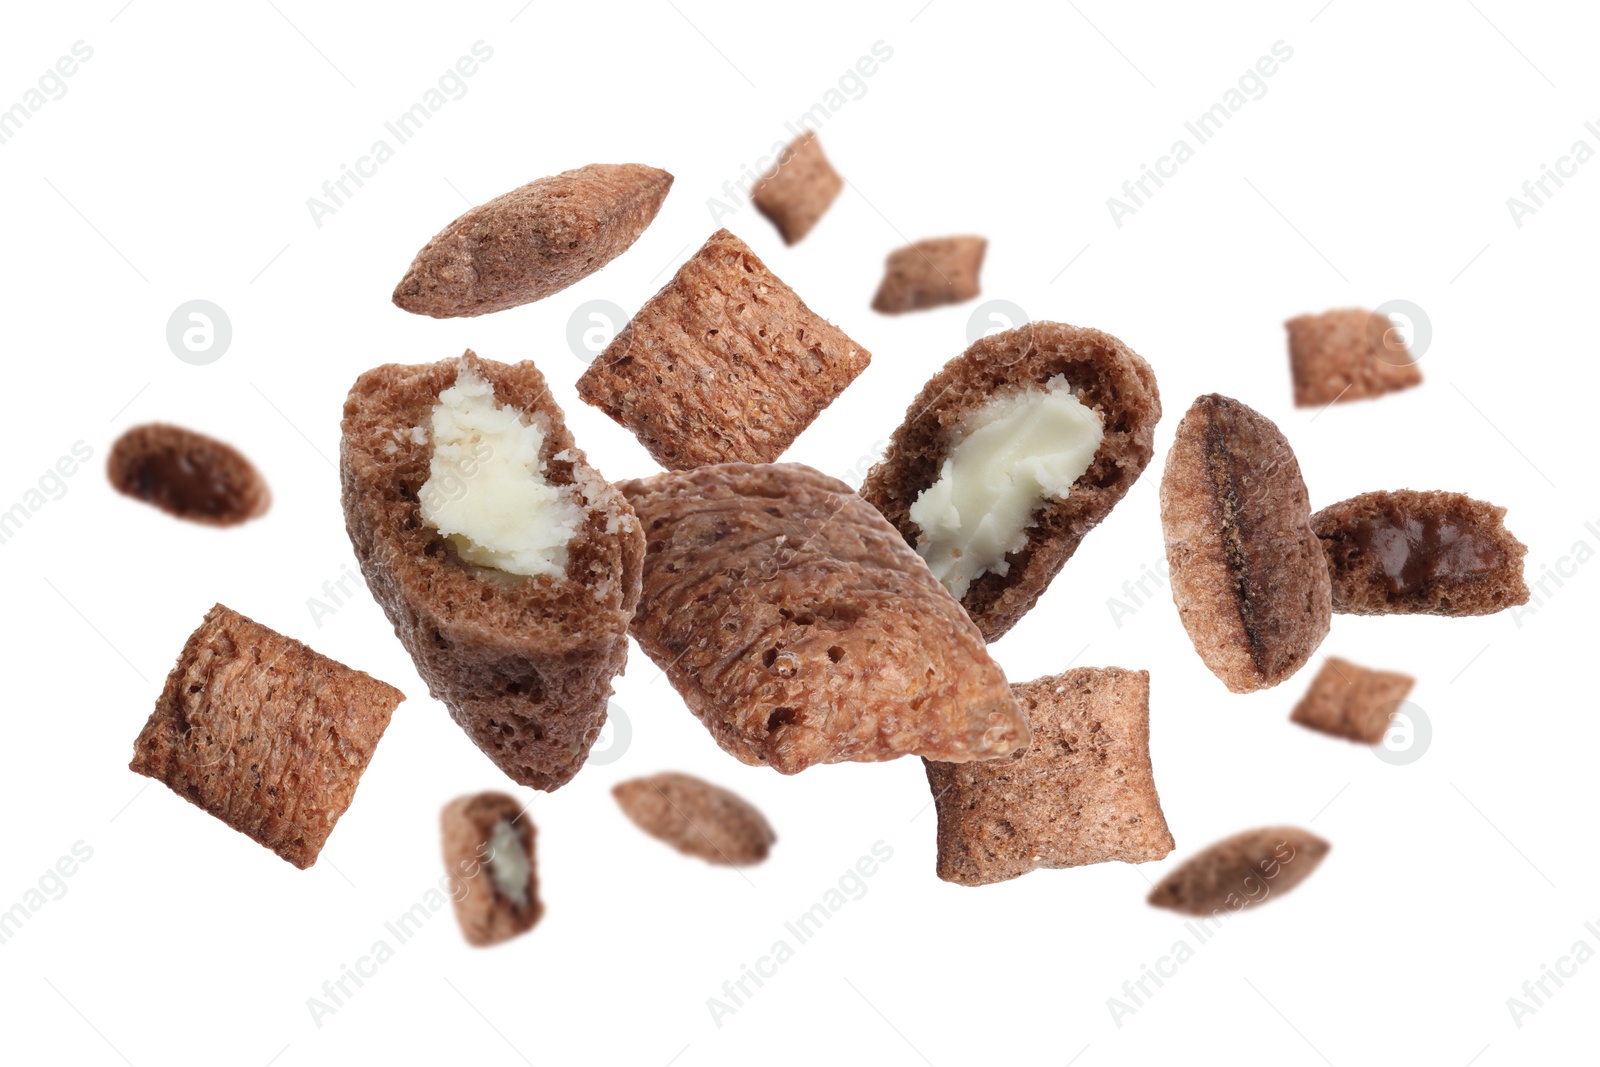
940	270
798	188
1081	792
1350	701
264	733
1349	354
488	842
725	364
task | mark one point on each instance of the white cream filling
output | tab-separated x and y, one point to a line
1016	451
486	489
508	863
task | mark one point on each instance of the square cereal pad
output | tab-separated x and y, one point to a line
1352	702
725	364
1081	792
798	188
264	733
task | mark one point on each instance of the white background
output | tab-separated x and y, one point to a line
1376	166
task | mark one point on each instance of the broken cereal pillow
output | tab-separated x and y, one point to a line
1010	455
1420	553
507	565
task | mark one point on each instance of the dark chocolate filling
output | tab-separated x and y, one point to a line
1413	551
